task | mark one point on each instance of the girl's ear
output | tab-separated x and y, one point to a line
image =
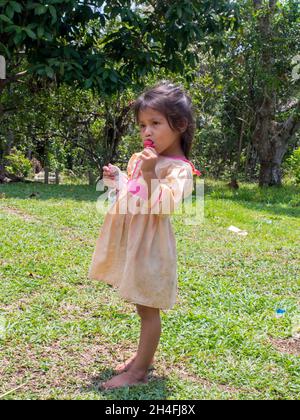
183	125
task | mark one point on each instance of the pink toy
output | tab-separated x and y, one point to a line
149	143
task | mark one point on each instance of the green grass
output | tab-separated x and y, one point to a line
63	333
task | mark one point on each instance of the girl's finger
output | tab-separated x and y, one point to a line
107	170
149	152
145	153
151	149
108	174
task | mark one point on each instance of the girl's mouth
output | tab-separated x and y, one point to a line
149	143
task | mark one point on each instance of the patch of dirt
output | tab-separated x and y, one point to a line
45	368
20	304
63	229
287	345
77	367
183	374
20	213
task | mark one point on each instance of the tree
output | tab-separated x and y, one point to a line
93	45
271	137
257	64
54	38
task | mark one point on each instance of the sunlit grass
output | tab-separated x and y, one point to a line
64	333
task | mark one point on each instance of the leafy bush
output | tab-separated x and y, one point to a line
18	164
293	164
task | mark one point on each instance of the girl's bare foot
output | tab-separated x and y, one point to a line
123	367
124	379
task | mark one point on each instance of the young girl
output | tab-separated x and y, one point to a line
136	250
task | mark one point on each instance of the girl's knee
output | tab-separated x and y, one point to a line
147	312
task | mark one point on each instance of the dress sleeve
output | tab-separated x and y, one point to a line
131	164
119	182
169	192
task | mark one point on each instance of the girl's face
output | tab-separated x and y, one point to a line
154	125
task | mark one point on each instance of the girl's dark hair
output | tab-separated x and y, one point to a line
171	101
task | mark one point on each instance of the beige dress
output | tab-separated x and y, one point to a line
136	248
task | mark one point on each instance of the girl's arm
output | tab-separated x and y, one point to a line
169	192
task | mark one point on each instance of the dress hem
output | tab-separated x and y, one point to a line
130	300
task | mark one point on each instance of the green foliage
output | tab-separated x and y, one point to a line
84	63
131	143
96	44
18	164
293	164
239	82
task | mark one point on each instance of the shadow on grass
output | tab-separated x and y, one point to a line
49	192
282	201
154	389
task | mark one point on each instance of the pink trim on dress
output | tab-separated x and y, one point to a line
195	171
135	168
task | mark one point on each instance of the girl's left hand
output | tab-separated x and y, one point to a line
149	158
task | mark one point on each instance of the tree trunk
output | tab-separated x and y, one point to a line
235	172
270	174
91	178
7	146
270	139
56	176
46	175
251	162
2	173
116	125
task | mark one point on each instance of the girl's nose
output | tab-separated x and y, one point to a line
147	131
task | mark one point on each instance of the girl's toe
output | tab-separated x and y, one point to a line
101	386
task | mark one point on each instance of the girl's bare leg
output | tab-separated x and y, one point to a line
124	366
149	339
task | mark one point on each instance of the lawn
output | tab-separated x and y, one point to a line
61	333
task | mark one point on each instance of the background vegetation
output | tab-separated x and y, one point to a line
74	66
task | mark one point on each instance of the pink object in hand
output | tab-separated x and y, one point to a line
149	143
137	169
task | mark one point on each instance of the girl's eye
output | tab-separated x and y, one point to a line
155	122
